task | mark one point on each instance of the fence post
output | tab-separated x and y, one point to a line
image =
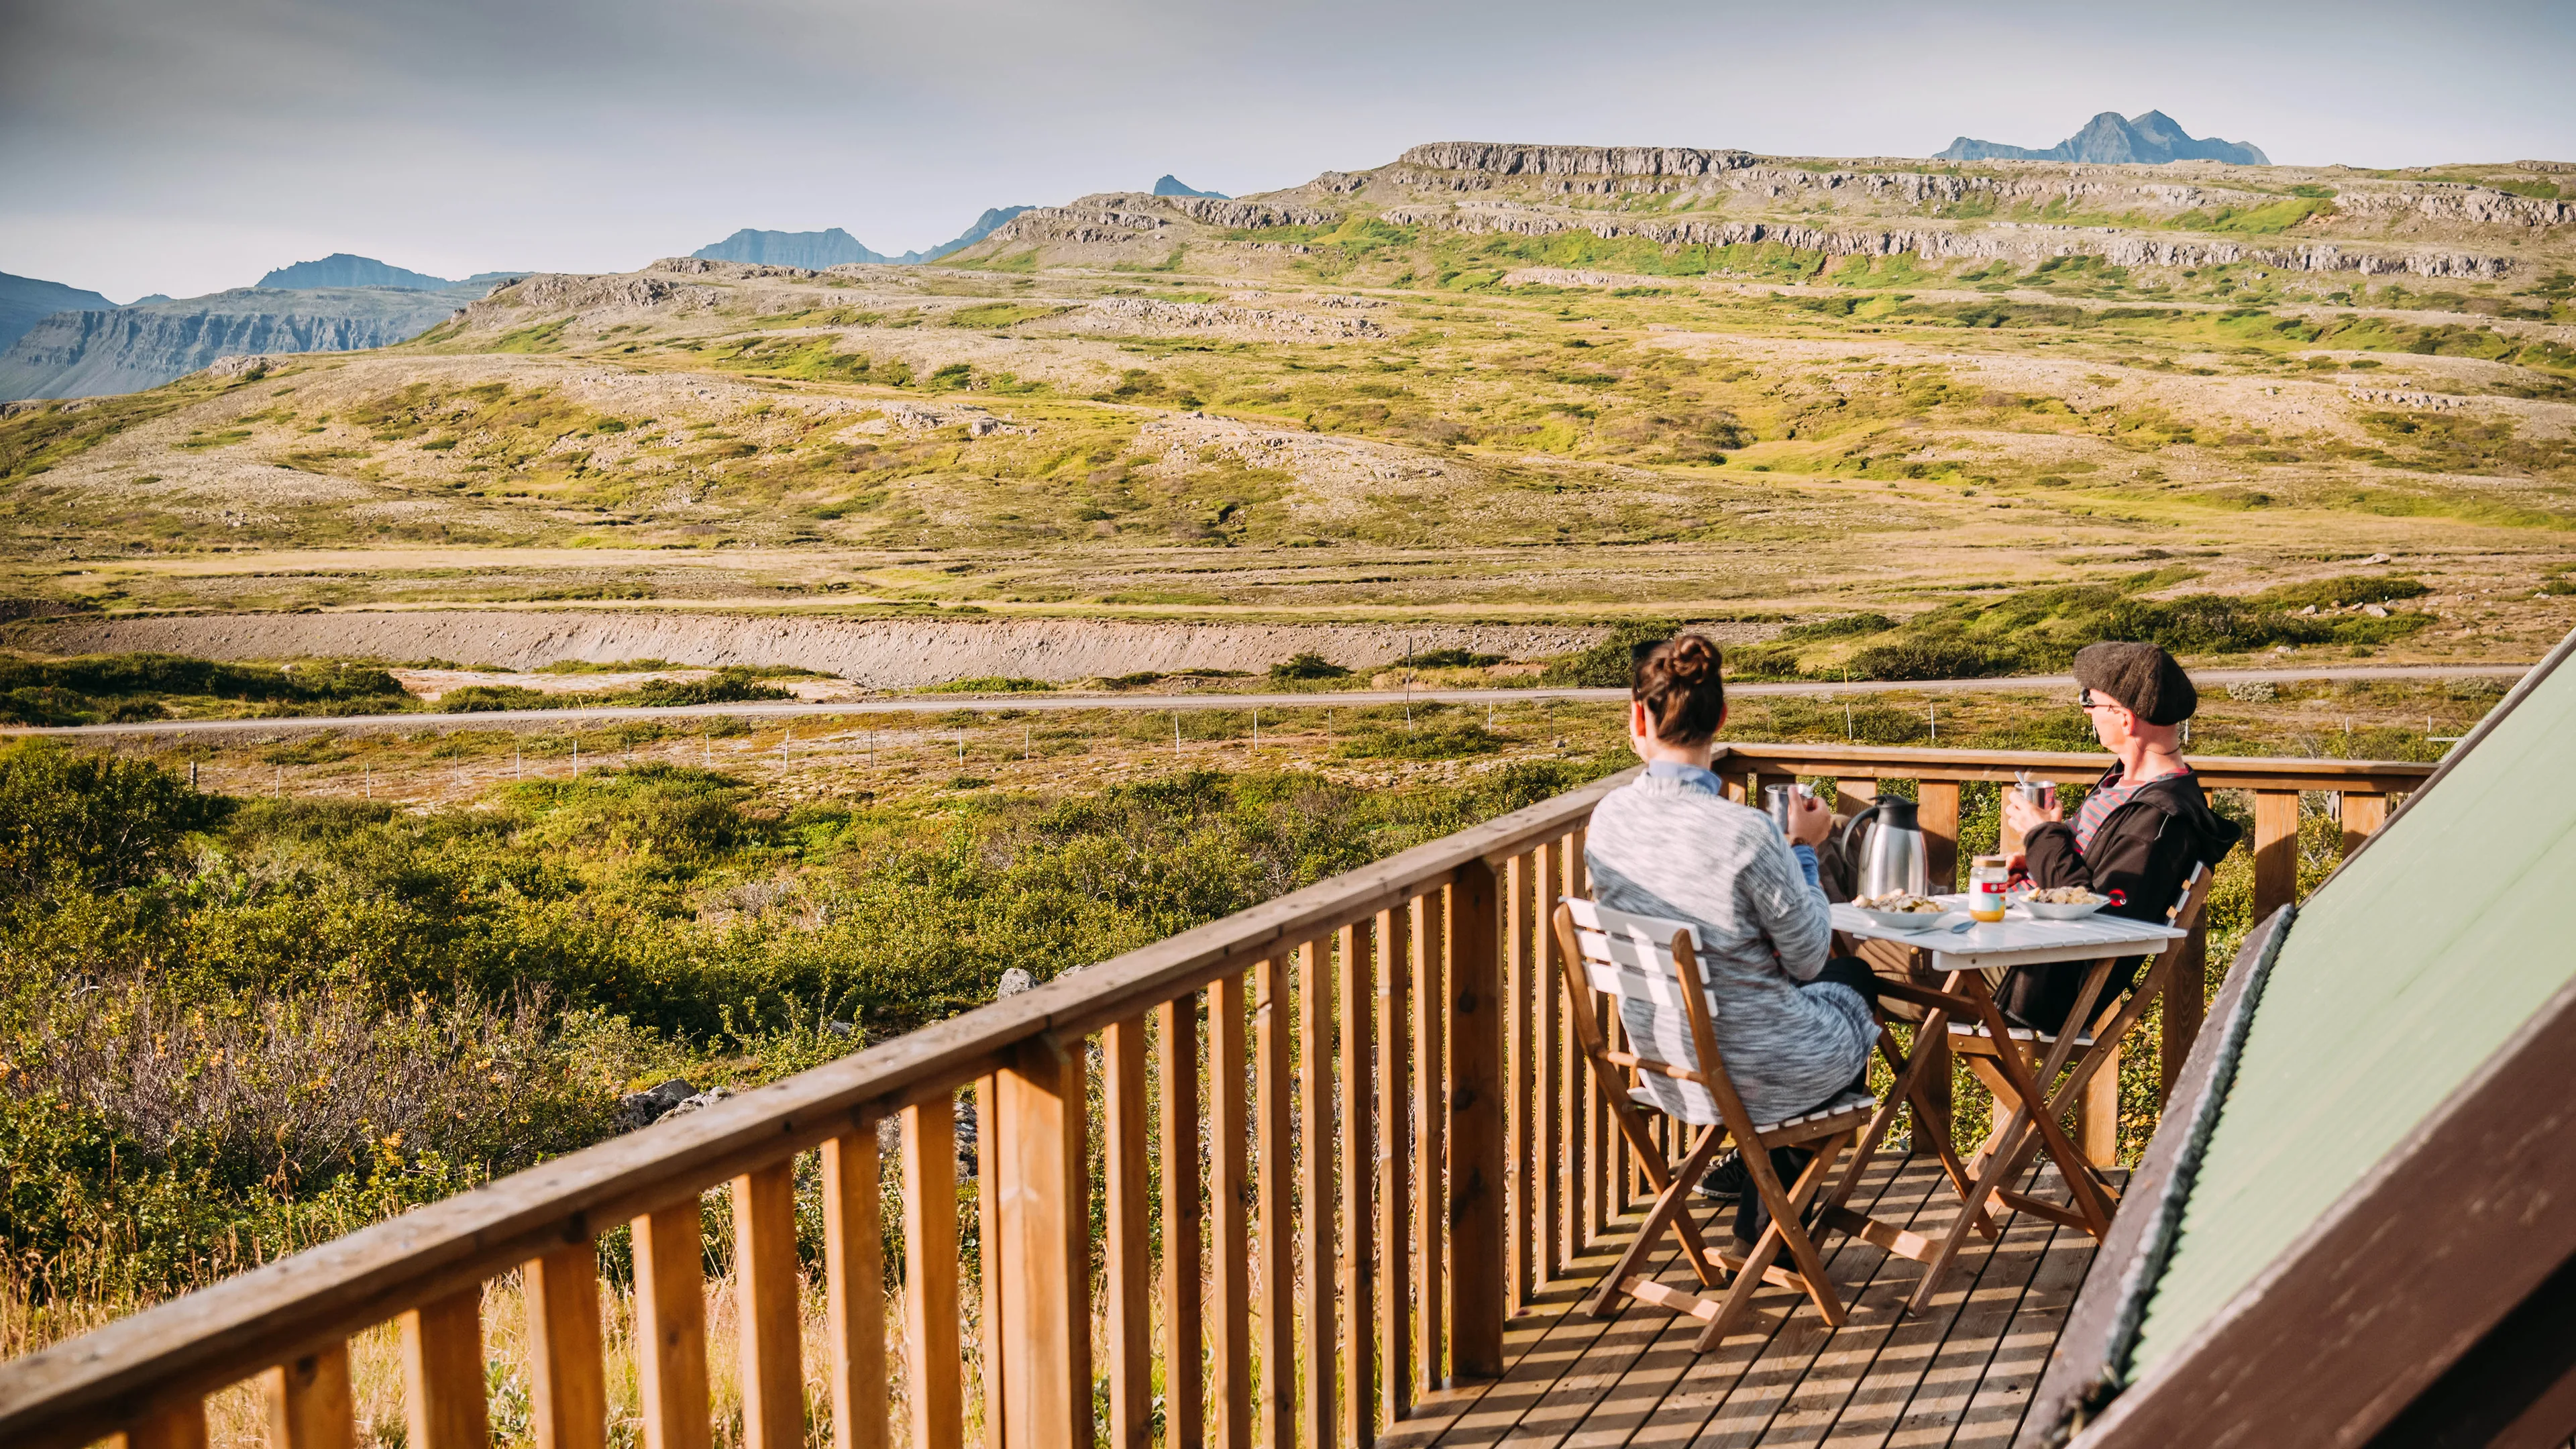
1044	1189
1477	1271
2276	850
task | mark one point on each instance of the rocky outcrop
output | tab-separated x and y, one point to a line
1148	316
81	354
2024	243
1511	159
1218	211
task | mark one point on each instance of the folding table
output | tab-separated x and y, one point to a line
1969	964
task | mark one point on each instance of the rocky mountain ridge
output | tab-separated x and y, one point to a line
2153	139
818	250
341	269
24	301
126	349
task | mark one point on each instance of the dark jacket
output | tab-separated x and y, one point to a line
2144	852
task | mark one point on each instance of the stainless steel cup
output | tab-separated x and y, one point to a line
2038	794
1776	799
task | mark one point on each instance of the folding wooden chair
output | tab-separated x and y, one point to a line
1649	968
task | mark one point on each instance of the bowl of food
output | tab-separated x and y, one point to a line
2064	903
1901	911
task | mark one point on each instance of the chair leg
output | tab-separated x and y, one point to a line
1671	1206
1784	1230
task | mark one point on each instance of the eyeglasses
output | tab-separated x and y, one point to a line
2084	700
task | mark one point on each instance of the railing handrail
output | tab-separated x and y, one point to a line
220	1334
2216	772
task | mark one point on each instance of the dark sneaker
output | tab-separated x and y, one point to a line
1728	1181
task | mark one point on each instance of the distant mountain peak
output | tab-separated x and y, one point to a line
340	269
1171	185
2151	138
818	250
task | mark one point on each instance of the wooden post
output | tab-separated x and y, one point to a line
671	1327
567	1384
309	1406
766	1291
1357	1075
2362	817
1129	1278
988	1249
1574	1091
932	1341
1476	1124
1550	1052
1230	1196
442	1357
1937	811
1278	1290
1430	937
854	1289
183	1427
1518	944
2185	1003
1315	1189
1394	1200
2276	851
1043	1182
1176	1050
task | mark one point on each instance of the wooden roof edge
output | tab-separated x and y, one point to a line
2084	1368
2450	1231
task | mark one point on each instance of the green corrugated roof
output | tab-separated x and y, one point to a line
2398	979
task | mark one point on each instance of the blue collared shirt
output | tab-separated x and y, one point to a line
1697	778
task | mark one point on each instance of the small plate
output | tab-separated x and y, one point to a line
1902	920
2049	912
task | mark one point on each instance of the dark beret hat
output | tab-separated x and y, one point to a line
2142	677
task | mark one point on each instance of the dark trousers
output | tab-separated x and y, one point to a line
1752	1214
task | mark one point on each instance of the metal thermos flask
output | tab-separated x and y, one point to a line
1891	856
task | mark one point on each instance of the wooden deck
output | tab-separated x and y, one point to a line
1961	1374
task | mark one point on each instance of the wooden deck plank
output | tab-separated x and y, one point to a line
1960	1373
1988	1300
1812	1391
1670	1389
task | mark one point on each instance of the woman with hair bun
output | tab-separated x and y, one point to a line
1793	1022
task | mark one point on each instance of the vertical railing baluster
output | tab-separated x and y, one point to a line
1552	1053
766	1290
442	1359
1356	1077
181	1426
1574	1085
1475	1123
309	1405
671	1327
1176	1051
988	1251
2276	851
1430	944
1315	1187
1043	1180
1129	1278
2362	815
1271	1030
854	1291
1517	946
1229	1195
567	1376
933	1342
1394	1197
2185	1005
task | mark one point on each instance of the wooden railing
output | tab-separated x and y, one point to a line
1373	1136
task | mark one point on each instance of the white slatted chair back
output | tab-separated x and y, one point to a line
1629	959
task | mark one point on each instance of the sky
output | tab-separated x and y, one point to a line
185	146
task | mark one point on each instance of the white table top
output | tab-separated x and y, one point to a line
2019	939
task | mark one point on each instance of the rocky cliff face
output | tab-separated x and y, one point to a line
2110	140
86	353
24	301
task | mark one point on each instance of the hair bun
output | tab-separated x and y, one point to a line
1681	683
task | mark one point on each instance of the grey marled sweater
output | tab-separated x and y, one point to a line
1674	847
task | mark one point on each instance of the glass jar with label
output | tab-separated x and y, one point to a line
1987	881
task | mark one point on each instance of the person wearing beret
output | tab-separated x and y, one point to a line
2139	832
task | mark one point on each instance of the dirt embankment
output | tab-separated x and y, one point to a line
882	654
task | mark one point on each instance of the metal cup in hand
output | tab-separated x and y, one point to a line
2038	794
1780	801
